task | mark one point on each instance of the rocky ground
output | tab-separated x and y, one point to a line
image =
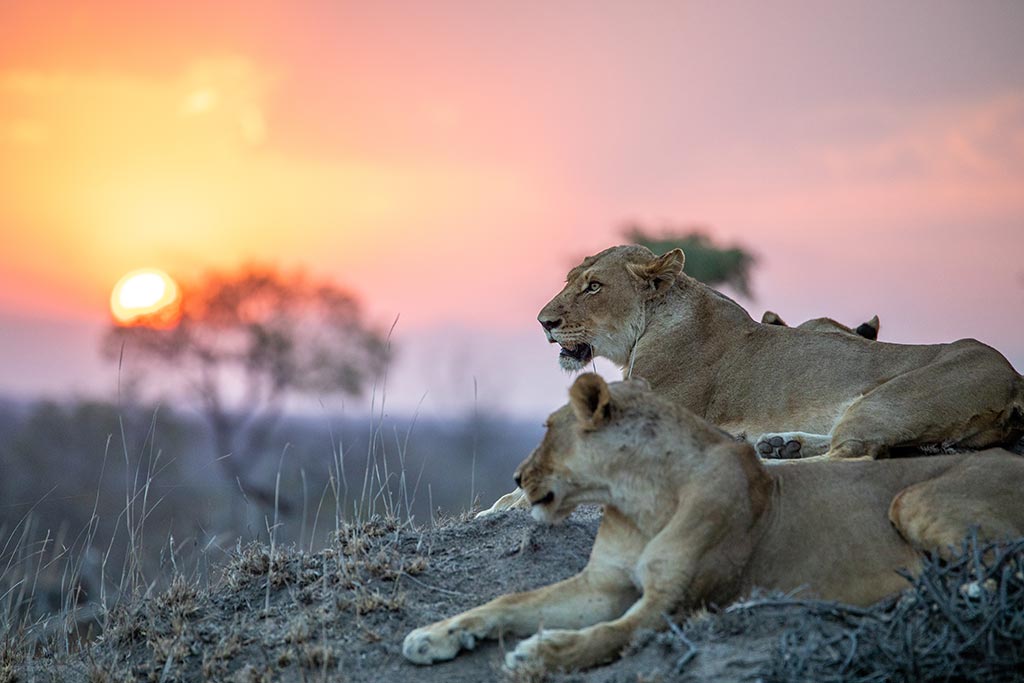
341	614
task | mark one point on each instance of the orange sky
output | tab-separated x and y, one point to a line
871	154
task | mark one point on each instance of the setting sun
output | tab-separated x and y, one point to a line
146	297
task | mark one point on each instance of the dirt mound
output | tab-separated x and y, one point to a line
341	614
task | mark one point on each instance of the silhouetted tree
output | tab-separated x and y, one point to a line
247	341
705	261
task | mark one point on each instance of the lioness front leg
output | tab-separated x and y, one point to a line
574	603
579	649
516	500
671	583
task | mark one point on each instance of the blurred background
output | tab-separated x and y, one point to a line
415	179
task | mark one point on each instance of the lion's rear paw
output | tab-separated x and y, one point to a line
791	445
776	447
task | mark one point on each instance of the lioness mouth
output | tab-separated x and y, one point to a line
581	353
549	498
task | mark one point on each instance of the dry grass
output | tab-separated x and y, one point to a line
178	634
110	617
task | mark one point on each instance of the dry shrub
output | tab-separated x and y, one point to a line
962	620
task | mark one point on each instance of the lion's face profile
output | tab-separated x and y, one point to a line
547	473
599	312
583	446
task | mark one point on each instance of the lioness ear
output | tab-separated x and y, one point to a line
590	400
870	329
662	271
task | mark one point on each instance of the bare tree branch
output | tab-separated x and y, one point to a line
246	342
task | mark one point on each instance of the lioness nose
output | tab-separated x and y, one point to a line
519	480
550	323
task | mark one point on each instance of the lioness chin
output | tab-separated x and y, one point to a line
692	517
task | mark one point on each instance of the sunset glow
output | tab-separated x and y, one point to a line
411	152
146	297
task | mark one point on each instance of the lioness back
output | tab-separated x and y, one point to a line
836	518
786	390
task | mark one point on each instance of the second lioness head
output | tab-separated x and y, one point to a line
586	444
600	310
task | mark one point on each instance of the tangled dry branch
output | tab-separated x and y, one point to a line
962	620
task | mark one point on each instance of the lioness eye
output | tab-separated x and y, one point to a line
594	287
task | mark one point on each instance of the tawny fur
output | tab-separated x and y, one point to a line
831	395
703	352
692	517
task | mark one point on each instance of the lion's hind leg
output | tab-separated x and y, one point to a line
982	492
942	403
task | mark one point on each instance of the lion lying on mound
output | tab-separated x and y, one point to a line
868	330
792	392
692	517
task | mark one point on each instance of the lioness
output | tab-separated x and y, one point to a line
692	517
868	329
793	393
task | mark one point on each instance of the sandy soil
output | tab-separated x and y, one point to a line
341	615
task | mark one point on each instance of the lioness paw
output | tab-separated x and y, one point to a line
775	447
544	650
525	657
791	445
510	501
436	643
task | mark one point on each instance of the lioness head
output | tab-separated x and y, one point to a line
569	467
600	309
